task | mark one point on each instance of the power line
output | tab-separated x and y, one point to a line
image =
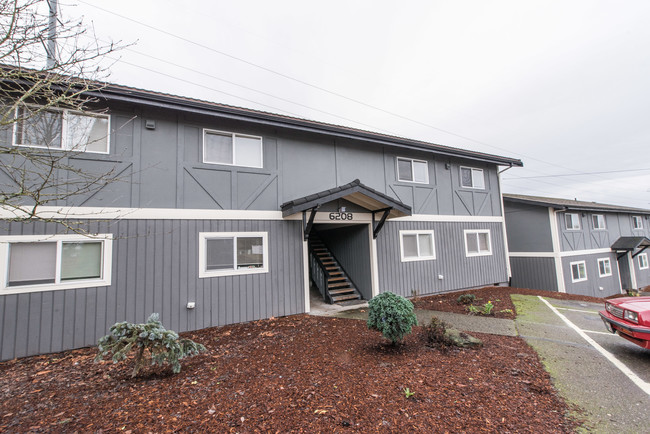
577	174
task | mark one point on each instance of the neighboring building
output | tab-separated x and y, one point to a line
576	247
211	223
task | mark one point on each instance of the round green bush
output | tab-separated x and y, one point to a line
392	315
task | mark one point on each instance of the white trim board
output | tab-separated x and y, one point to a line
561	254
109	213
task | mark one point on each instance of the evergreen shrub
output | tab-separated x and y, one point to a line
392	315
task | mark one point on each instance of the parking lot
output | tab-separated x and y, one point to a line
602	373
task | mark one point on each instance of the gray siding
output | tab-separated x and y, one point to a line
617	225
154	269
592	286
351	246
528	228
642	276
533	273
458	270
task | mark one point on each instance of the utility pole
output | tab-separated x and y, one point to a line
51	35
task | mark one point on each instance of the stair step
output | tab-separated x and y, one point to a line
334	279
345	297
341	291
329	262
322	254
331	268
338	284
336	273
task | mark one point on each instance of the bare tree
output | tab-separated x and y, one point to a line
48	116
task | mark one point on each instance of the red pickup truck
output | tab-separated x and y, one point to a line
630	318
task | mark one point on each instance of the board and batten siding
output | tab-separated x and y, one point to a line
154	269
458	270
533	273
592	286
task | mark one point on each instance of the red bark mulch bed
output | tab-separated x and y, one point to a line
298	373
498	295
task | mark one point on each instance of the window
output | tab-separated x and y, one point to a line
417	245
232	253
412	170
477	242
66	130
221	147
643	261
578	271
637	222
472	178
599	221
64	262
572	221
604	267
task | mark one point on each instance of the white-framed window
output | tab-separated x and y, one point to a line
637	222
477	242
604	267
61	129
417	245
471	177
578	271
643	261
410	170
233	253
222	147
598	221
48	262
572	221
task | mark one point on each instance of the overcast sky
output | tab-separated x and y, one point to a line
562	85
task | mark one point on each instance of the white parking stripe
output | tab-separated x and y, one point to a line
644	386
578	310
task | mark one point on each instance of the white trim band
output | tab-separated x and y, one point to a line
562	254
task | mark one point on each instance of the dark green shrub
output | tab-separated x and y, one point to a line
436	332
151	341
392	315
466	299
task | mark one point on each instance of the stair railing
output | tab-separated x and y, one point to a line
319	274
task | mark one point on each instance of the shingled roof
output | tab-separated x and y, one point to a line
571	204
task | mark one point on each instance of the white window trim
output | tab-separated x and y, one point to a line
578	220
645	260
636	218
204	236
412	160
609	261
579	279
478	231
234	152
64	131
604	227
418	258
107	260
472	170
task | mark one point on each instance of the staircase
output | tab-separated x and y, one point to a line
330	278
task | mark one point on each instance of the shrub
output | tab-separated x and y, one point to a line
151	341
466	299
486	309
392	315
436	332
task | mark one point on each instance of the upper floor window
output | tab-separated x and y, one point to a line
477	242
63	129
417	245
410	170
472	178
637	222
599	221
64	262
578	271
232	253
220	147
643	261
572	221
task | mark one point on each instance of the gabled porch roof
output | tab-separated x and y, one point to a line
631	243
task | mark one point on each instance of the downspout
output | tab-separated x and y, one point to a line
503	226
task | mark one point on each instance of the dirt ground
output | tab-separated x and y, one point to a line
498	295
299	374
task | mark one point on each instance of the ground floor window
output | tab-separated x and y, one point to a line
643	261
46	262
477	242
604	267
232	253
417	245
578	271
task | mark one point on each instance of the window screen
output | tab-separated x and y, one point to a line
87	133
250	252
218	148
40	129
220	254
410	246
405	173
32	263
248	151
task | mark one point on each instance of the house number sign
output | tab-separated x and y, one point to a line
341	216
